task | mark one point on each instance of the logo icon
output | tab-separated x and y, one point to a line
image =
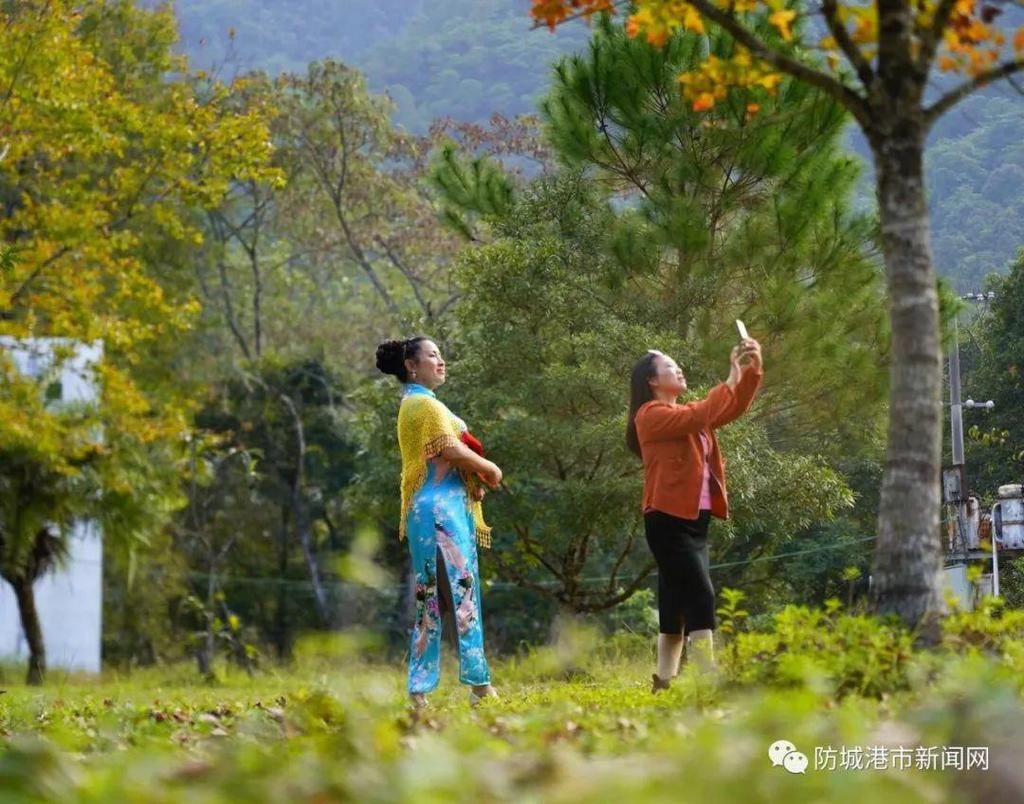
784	753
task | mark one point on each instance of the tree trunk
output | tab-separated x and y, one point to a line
905	575
304	528
300	513
26	596
282	631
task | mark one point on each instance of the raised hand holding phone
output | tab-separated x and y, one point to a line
749	350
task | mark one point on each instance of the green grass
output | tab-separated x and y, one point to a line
576	722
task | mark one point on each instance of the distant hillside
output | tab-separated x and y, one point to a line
458	58
470	58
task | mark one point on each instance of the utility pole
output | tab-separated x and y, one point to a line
956	425
956	419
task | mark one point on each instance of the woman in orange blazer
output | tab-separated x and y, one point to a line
684	486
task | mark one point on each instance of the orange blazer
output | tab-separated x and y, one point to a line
669	436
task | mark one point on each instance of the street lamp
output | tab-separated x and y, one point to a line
956	422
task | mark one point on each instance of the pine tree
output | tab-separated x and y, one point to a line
731	215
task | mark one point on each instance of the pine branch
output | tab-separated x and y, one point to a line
954	96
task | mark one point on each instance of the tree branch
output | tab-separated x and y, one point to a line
32	277
954	96
853	102
613	577
930	39
846	43
588	607
229	310
405	271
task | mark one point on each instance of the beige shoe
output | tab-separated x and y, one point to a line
418	700
476	697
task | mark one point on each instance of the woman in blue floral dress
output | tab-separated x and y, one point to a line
443	478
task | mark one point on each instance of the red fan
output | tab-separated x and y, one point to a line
473	443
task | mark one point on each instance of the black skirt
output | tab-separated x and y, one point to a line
686	598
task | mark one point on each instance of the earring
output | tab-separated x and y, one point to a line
414	375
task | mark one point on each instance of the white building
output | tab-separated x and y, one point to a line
70	600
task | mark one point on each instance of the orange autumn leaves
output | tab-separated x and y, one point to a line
972	42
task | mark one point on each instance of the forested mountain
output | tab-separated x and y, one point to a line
458	58
469	58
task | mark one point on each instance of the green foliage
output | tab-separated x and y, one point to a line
554	422
724	215
993	348
827	649
604	244
341	730
223	628
992	627
480	187
8	258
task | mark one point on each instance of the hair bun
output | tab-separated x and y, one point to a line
391	357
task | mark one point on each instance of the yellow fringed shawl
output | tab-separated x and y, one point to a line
425	429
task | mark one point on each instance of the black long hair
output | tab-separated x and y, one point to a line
391	356
640	392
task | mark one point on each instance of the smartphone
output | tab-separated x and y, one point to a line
742	329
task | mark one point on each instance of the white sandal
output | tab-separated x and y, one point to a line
476	697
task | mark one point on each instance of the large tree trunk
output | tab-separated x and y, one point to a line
26	596
905	576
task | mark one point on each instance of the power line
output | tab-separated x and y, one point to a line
505	585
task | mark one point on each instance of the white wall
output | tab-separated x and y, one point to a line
70	606
69	601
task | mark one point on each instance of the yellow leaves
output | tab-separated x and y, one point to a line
865	28
711	83
782	20
964	7
659	19
692	20
947	64
116	163
1018	40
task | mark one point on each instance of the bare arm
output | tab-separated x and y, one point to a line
462	457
